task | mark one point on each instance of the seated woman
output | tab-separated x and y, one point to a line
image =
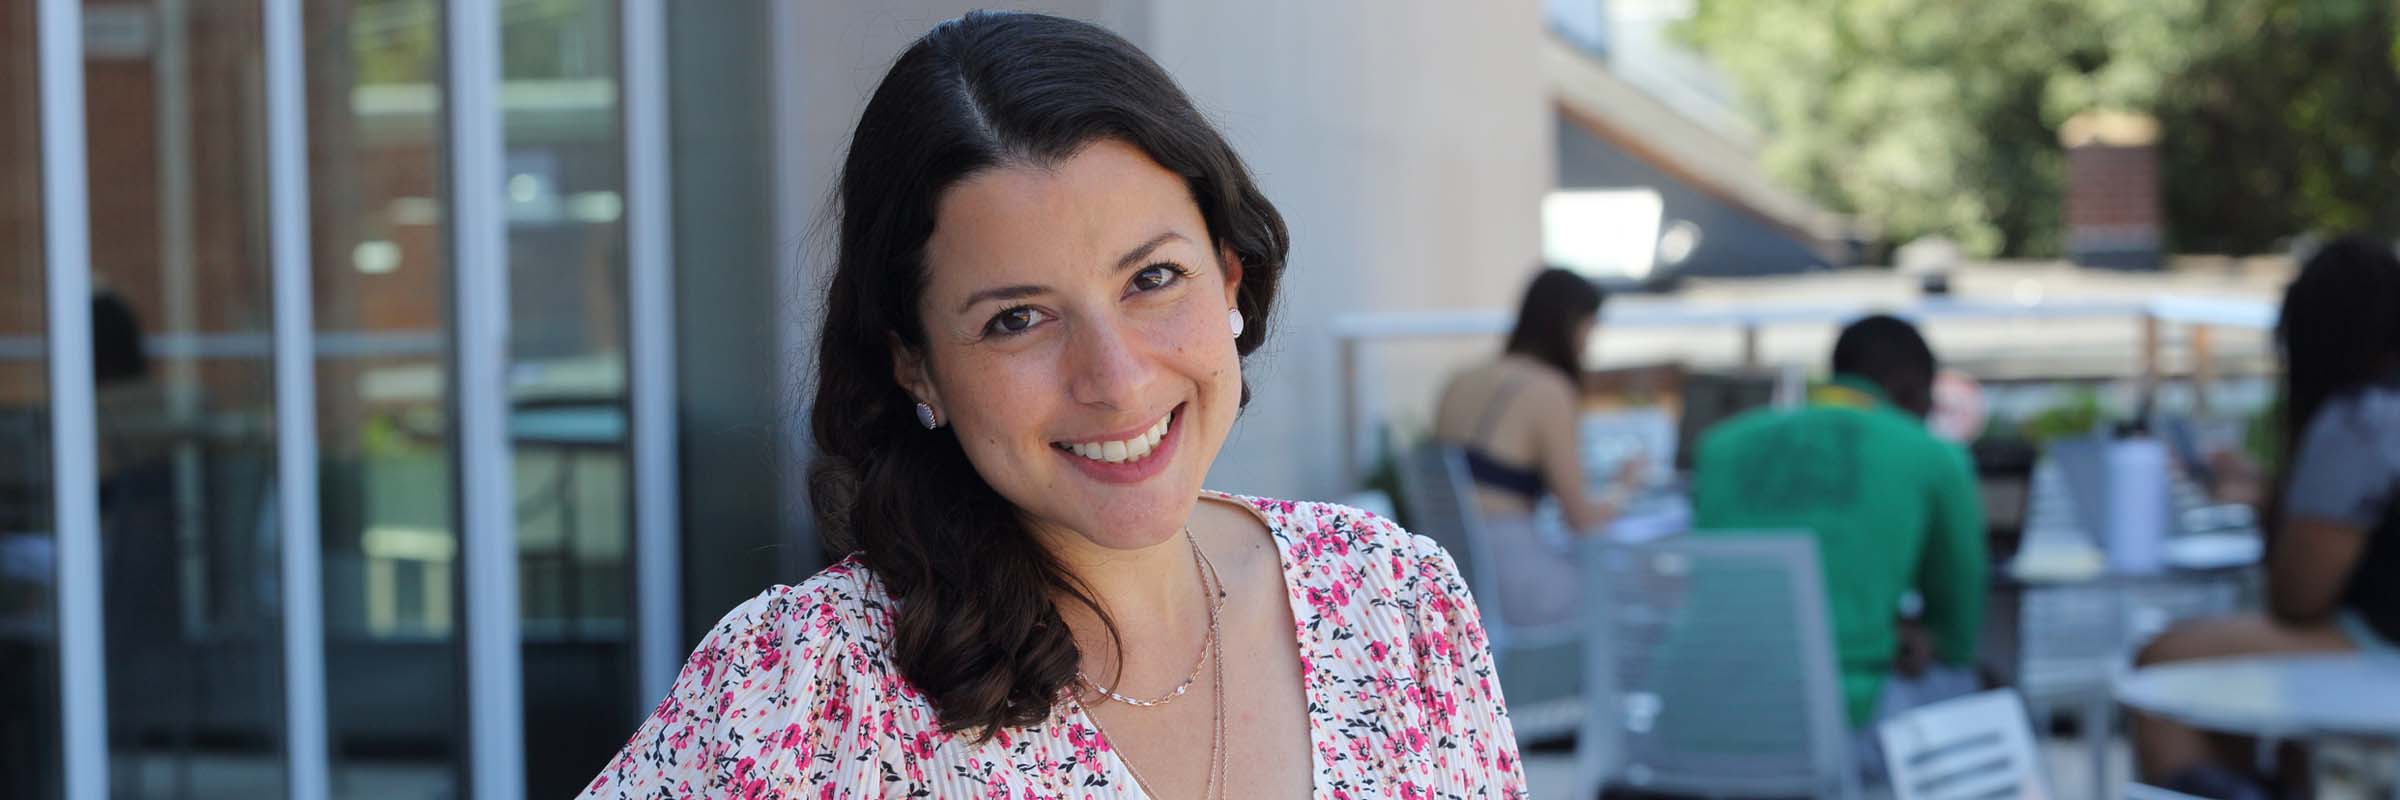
2336	539
1515	420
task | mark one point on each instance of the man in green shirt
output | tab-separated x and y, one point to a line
1892	508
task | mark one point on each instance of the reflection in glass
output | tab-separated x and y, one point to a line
380	277
564	189
181	367
29	756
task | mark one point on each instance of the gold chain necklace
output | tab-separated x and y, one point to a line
1215	788
1213	655
1199	561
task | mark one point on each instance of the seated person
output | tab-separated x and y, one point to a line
1515	419
1892	508
2334	546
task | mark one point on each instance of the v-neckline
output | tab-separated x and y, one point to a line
1121	772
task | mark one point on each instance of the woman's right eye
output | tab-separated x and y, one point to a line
1014	321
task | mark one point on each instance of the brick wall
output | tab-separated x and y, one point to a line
22	384
2113	214
227	253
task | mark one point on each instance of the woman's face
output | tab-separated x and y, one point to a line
1076	341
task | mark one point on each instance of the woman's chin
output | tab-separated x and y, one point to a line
1123	523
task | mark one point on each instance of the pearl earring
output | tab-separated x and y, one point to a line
1233	319
926	418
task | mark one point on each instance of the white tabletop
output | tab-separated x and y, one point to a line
2284	696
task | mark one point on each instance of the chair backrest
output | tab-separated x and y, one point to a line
1971	748
1538	664
1709	670
2067	637
1435	487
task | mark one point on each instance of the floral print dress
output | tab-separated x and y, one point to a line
793	694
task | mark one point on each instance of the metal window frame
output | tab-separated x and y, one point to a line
650	300
306	757
478	382
74	435
795	197
479	368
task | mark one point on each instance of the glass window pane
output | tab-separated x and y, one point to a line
565	184
29	730
183	386
380	276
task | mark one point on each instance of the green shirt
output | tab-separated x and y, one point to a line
1892	507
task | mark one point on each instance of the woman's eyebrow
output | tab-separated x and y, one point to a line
1021	291
1134	257
1017	292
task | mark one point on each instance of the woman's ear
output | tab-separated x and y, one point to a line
908	367
1230	263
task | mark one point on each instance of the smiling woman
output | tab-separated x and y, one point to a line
1050	270
1108	320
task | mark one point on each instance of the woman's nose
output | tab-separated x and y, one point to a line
1106	364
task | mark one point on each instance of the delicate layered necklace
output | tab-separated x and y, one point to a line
1212	658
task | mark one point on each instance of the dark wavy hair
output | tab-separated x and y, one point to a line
2339	330
1555	302
976	625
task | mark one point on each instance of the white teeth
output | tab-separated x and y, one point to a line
1134	449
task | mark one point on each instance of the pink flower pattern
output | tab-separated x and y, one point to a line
793	696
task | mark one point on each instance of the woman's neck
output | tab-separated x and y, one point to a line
1153	597
1155	582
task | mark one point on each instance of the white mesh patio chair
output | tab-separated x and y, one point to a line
1709	670
1978	747
1538	664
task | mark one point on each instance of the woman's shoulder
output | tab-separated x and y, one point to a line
2371	411
823	643
1513	368
1537	376
1321	537
1290	519
840	613
768	696
846	586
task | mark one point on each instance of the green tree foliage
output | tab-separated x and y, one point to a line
1941	117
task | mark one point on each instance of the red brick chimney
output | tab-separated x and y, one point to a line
2114	217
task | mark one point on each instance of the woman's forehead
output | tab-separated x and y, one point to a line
1079	214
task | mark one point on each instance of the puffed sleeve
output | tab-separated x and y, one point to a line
763	703
1462	688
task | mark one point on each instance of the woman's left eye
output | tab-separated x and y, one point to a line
1158	276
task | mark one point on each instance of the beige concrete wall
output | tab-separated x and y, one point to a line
1407	144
